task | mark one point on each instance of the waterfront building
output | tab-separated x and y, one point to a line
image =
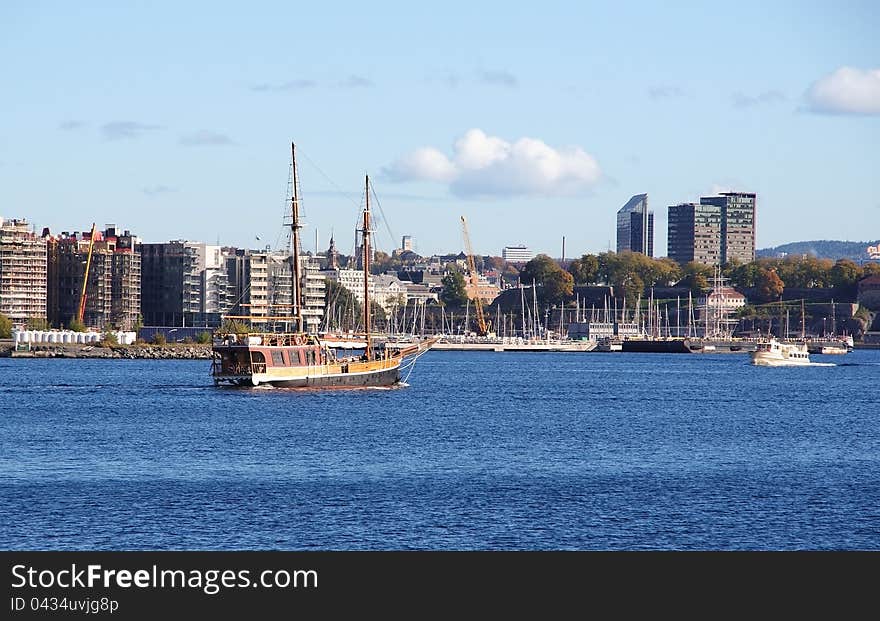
422	293
390	291
217	294
517	254
171	282
694	233
386	290
269	294
22	271
353	280
485	290
113	289
314	293
717	311
635	226
738	210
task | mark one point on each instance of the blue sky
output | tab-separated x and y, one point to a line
535	122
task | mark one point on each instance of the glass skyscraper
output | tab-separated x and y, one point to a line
635	226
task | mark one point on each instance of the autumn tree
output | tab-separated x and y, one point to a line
585	270
769	286
844	277
555	283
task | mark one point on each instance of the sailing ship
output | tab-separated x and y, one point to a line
297	359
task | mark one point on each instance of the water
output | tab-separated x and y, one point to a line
482	451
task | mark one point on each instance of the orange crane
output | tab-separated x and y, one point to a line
81	311
482	327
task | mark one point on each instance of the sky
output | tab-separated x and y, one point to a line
535	121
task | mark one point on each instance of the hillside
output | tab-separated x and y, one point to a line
822	249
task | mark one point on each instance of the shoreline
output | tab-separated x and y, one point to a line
177	351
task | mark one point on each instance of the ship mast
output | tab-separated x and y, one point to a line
366	262
295	226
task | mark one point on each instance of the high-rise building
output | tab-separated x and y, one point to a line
517	254
269	290
635	226
113	289
713	232
22	271
738	210
694	233
406	244
171	282
217	296
314	293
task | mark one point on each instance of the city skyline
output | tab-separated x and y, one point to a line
533	123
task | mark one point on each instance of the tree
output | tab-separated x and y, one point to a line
377	312
630	285
770	286
696	276
744	275
109	340
204	338
658	272
555	283
229	326
76	325
845	275
495	263
159	339
5	327
382	262
37	323
557	287
454	292
870	269
340	302
538	269
585	270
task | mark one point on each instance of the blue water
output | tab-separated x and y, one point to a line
482	451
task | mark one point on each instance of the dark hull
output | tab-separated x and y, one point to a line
671	346
689	346
374	379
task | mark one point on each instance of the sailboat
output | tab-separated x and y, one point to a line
296	359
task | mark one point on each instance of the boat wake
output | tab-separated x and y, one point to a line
822	364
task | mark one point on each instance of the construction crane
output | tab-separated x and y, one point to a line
482	327
81	311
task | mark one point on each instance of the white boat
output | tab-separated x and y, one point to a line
773	353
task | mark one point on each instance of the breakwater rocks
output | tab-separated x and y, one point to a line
131	352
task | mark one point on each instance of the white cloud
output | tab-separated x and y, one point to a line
846	91
425	164
483	165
